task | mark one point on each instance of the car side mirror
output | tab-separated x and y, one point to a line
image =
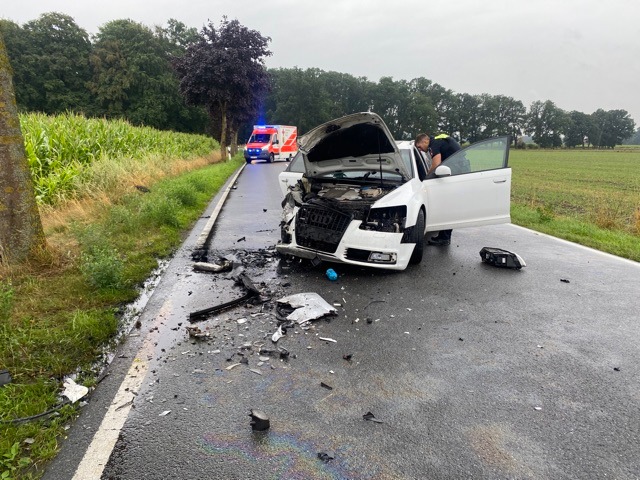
443	171
275	142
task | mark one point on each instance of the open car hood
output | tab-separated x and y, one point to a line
360	141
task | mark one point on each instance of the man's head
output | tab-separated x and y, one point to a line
422	141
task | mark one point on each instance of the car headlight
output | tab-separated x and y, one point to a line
388	219
265	148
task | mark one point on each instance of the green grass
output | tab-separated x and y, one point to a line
591	197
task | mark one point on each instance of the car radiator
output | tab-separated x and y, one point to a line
320	228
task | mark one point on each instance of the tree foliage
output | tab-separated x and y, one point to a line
223	71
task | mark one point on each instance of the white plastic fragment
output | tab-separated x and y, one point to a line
326	339
241	321
165	413
537	408
308	306
232	366
277	335
73	391
256	371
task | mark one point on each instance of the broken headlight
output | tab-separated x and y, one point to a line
388	219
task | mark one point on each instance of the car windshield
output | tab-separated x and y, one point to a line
260	138
297	164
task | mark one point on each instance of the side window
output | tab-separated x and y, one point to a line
422	168
490	154
297	164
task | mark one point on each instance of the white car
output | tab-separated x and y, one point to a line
361	201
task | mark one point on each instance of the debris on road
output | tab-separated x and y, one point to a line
565	280
196	332
73	391
347	356
371	418
307	307
326	339
324	385
279	333
241	239
331	274
259	421
232	366
165	413
256	371
224	266
325	457
616	369
5	377
501	258
252	292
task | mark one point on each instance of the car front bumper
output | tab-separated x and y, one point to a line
358	247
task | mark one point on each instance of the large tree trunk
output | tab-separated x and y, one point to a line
234	142
223	130
20	226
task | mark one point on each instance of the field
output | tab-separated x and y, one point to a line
590	197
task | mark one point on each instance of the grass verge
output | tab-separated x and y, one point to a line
59	311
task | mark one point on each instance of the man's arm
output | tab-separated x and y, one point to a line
435	161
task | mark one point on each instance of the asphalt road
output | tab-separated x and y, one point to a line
473	371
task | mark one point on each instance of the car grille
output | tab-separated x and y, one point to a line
320	229
357	254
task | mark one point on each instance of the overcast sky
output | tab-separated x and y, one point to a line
581	54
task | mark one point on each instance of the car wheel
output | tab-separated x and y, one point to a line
417	237
271	158
248	162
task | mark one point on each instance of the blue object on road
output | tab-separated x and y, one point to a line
331	274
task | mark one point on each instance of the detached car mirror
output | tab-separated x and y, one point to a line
443	171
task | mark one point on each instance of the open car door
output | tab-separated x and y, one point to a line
470	188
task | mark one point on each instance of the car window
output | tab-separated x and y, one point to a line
489	154
259	138
420	164
406	159
297	164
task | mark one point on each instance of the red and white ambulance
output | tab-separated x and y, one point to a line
271	142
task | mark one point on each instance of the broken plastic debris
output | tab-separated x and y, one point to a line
165	413
223	266
5	377
277	335
73	391
326	339
331	274
347	356
501	258
232	366
565	280
537	408
308	306
325	457
259	420
196	332
241	321
370	417
256	371
324	385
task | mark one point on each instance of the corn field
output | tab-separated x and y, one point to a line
60	148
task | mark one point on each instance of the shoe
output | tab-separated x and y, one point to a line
440	242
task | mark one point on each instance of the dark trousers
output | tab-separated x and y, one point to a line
444	234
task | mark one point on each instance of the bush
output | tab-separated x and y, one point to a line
103	267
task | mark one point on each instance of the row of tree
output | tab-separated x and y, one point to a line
214	80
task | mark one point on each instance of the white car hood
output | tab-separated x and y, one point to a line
360	141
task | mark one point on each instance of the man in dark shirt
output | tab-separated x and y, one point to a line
440	147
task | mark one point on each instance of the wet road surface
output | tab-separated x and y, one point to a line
473	371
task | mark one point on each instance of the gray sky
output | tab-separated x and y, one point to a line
581	54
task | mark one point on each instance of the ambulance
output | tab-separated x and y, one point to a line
271	142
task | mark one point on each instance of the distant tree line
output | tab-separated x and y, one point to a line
166	78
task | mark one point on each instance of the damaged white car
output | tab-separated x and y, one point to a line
360	202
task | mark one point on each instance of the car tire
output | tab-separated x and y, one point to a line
248	161
417	237
271	158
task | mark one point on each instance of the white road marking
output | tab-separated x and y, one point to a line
105	438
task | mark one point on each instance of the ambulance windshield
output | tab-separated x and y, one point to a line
260	138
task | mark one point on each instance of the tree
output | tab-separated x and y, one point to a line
610	128
224	70
20	225
546	123
578	131
55	63
133	79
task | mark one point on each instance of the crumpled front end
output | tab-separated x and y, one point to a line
340	223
